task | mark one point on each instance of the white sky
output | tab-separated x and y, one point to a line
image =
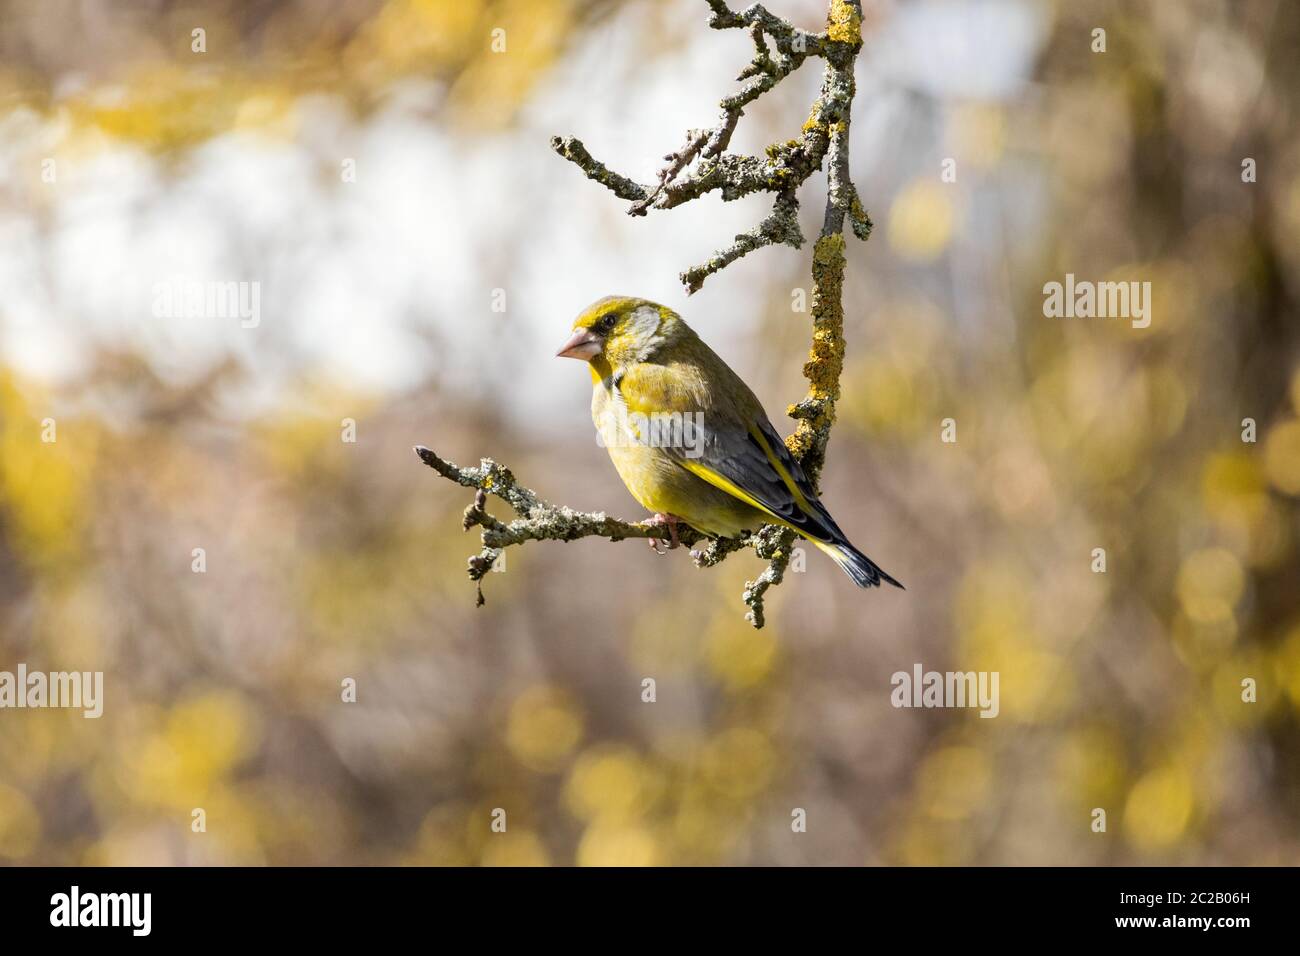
381	281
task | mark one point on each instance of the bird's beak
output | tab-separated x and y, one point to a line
583	344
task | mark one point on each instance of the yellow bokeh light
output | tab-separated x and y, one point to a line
1229	692
1282	457
544	727
1210	582
954	783
979	133
739	655
41	479
1159	808
205	737
921	220
991	612
615	845
1234	491
515	848
1090	767
609	783
1286	666
927	842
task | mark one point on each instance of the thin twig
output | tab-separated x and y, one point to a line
780	227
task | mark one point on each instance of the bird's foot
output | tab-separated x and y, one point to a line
662	521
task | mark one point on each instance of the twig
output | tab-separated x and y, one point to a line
780	227
573	150
539	520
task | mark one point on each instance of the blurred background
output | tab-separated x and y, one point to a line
128	160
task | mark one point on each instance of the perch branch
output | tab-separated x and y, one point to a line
702	166
539	520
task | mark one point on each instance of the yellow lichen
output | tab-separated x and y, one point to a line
828	253
815	121
843	24
825	357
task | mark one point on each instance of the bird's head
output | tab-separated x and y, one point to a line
619	331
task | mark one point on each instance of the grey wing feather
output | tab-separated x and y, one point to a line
733	452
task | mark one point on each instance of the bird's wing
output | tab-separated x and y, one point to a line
733	445
752	463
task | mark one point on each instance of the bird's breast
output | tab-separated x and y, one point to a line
654	476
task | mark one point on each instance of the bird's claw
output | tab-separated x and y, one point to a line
660	521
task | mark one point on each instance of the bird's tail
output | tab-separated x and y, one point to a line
864	572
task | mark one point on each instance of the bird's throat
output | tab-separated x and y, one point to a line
600	369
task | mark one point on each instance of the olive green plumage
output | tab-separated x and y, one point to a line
689	438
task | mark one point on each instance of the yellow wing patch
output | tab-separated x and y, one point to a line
785	476
726	484
731	488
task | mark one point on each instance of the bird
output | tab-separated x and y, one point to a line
690	439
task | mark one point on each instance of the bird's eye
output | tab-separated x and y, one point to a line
607	323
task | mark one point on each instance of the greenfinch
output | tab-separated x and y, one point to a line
688	437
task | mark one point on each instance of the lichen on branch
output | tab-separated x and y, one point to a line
701	166
539	520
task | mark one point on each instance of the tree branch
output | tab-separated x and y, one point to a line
780	227
702	166
539	520
573	150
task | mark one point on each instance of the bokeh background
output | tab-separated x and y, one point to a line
327	559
